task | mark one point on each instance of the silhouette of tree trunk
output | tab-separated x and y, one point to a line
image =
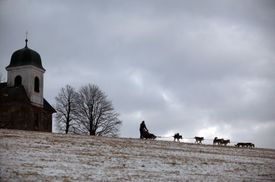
66	109
96	113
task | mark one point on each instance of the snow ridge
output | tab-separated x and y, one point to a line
38	156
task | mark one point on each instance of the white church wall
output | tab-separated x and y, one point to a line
28	74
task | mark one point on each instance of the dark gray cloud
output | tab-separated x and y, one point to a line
182	66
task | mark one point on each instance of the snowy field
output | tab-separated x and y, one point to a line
37	156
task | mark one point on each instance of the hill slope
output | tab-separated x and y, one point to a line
44	156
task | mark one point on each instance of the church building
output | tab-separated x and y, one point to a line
22	105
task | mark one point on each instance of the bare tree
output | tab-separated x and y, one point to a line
96	114
66	109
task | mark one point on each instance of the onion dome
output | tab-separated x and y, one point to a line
25	56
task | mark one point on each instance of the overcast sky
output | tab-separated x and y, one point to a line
204	68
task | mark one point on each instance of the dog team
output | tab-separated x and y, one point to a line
145	134
218	141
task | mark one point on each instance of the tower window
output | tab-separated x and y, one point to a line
18	81
36	84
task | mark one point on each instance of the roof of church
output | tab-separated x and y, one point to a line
18	94
25	56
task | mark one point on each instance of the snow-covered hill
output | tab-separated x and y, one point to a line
37	156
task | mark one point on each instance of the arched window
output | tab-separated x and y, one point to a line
36	84
18	81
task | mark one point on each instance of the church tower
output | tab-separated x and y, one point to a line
22	105
26	69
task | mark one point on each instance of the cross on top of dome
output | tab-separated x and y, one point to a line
26	40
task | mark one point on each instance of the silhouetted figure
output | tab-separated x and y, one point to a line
143	130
